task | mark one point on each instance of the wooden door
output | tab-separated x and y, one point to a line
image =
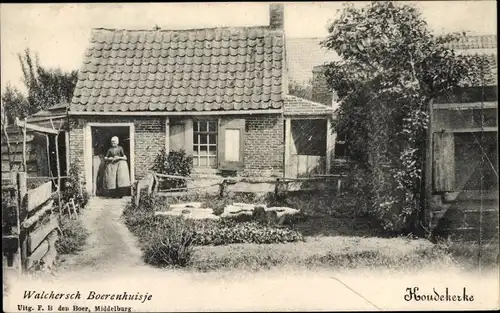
231	145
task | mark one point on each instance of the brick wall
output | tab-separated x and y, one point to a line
276	15
321	93
149	139
76	143
264	145
264	142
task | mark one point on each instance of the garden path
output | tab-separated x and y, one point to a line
110	247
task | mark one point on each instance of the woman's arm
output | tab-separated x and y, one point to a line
122	154
108	157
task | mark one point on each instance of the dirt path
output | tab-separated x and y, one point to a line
110	247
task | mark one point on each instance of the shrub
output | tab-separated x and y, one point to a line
72	190
173	163
170	244
73	236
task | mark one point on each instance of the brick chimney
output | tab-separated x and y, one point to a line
276	15
321	93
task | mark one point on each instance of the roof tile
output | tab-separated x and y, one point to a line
207	69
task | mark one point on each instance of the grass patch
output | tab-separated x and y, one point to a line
471	255
360	226
73	236
331	252
341	252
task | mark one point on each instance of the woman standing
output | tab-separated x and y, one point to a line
116	175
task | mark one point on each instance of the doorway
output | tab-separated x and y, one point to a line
308	147
97	144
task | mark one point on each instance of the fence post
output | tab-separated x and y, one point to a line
58	173
280	189
22	190
222	187
15	257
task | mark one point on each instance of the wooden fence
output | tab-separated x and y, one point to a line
31	241
279	186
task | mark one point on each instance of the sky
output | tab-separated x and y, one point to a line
59	32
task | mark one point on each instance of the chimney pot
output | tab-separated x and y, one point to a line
276	16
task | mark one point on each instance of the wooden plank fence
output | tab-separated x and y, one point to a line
32	242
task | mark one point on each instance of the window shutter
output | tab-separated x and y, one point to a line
181	135
176	133
444	162
188	138
231	144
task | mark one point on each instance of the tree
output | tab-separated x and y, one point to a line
45	87
392	66
14	104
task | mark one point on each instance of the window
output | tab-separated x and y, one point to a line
205	143
309	136
340	147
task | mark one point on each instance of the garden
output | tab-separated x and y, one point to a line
319	228
326	233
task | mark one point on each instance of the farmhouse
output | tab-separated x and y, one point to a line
220	94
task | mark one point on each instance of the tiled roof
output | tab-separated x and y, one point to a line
299	106
181	70
305	53
486	46
474	42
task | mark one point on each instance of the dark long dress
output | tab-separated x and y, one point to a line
116	175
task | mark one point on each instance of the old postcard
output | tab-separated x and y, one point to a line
280	156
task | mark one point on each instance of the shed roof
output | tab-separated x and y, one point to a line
299	106
181	70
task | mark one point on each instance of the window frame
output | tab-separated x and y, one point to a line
197	144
